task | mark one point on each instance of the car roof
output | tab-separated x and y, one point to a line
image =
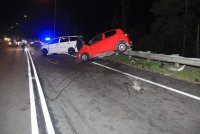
67	36
71	36
118	30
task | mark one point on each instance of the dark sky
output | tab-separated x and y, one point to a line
74	17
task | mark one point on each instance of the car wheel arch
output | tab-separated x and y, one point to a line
123	44
45	51
87	55
71	50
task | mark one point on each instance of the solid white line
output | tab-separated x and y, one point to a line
47	118
34	123
151	82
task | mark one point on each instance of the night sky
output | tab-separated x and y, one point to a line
75	17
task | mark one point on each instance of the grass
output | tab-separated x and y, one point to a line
191	74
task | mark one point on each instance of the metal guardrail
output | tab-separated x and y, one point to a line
167	58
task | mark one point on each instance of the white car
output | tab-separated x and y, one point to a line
62	45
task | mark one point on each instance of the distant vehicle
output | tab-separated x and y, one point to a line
110	41
36	43
64	44
23	43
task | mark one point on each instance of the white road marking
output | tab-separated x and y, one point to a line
151	82
34	123
47	118
148	81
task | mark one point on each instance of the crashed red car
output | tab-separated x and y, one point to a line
110	41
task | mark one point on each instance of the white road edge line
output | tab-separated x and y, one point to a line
151	82
34	123
148	81
46	114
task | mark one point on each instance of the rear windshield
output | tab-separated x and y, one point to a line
76	38
73	38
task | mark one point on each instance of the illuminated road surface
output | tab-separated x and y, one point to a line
90	99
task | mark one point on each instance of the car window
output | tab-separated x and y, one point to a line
110	33
64	39
73	38
54	41
96	39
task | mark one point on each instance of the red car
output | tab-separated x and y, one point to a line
110	41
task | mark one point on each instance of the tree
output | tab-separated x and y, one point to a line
197	43
175	27
121	15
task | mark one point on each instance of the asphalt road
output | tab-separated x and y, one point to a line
14	93
90	99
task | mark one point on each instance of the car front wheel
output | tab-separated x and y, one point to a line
44	51
84	57
121	46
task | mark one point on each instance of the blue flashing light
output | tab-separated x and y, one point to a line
47	39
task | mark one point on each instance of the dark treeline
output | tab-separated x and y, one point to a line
174	30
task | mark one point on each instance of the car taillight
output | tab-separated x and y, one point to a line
126	34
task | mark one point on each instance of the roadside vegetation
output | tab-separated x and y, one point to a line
191	74
170	27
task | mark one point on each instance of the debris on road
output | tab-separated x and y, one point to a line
136	85
177	69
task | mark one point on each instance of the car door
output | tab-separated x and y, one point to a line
73	42
52	45
110	40
97	45
64	44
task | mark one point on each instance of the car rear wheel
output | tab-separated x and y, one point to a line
44	51
121	46
84	57
71	51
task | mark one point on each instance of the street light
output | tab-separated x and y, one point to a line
25	16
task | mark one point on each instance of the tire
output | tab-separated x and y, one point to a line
121	46
71	51
44	51
84	57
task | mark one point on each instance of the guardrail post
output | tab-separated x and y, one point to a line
148	56
176	64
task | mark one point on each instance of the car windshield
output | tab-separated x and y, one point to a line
64	39
53	41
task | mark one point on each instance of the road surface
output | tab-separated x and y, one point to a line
90	99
